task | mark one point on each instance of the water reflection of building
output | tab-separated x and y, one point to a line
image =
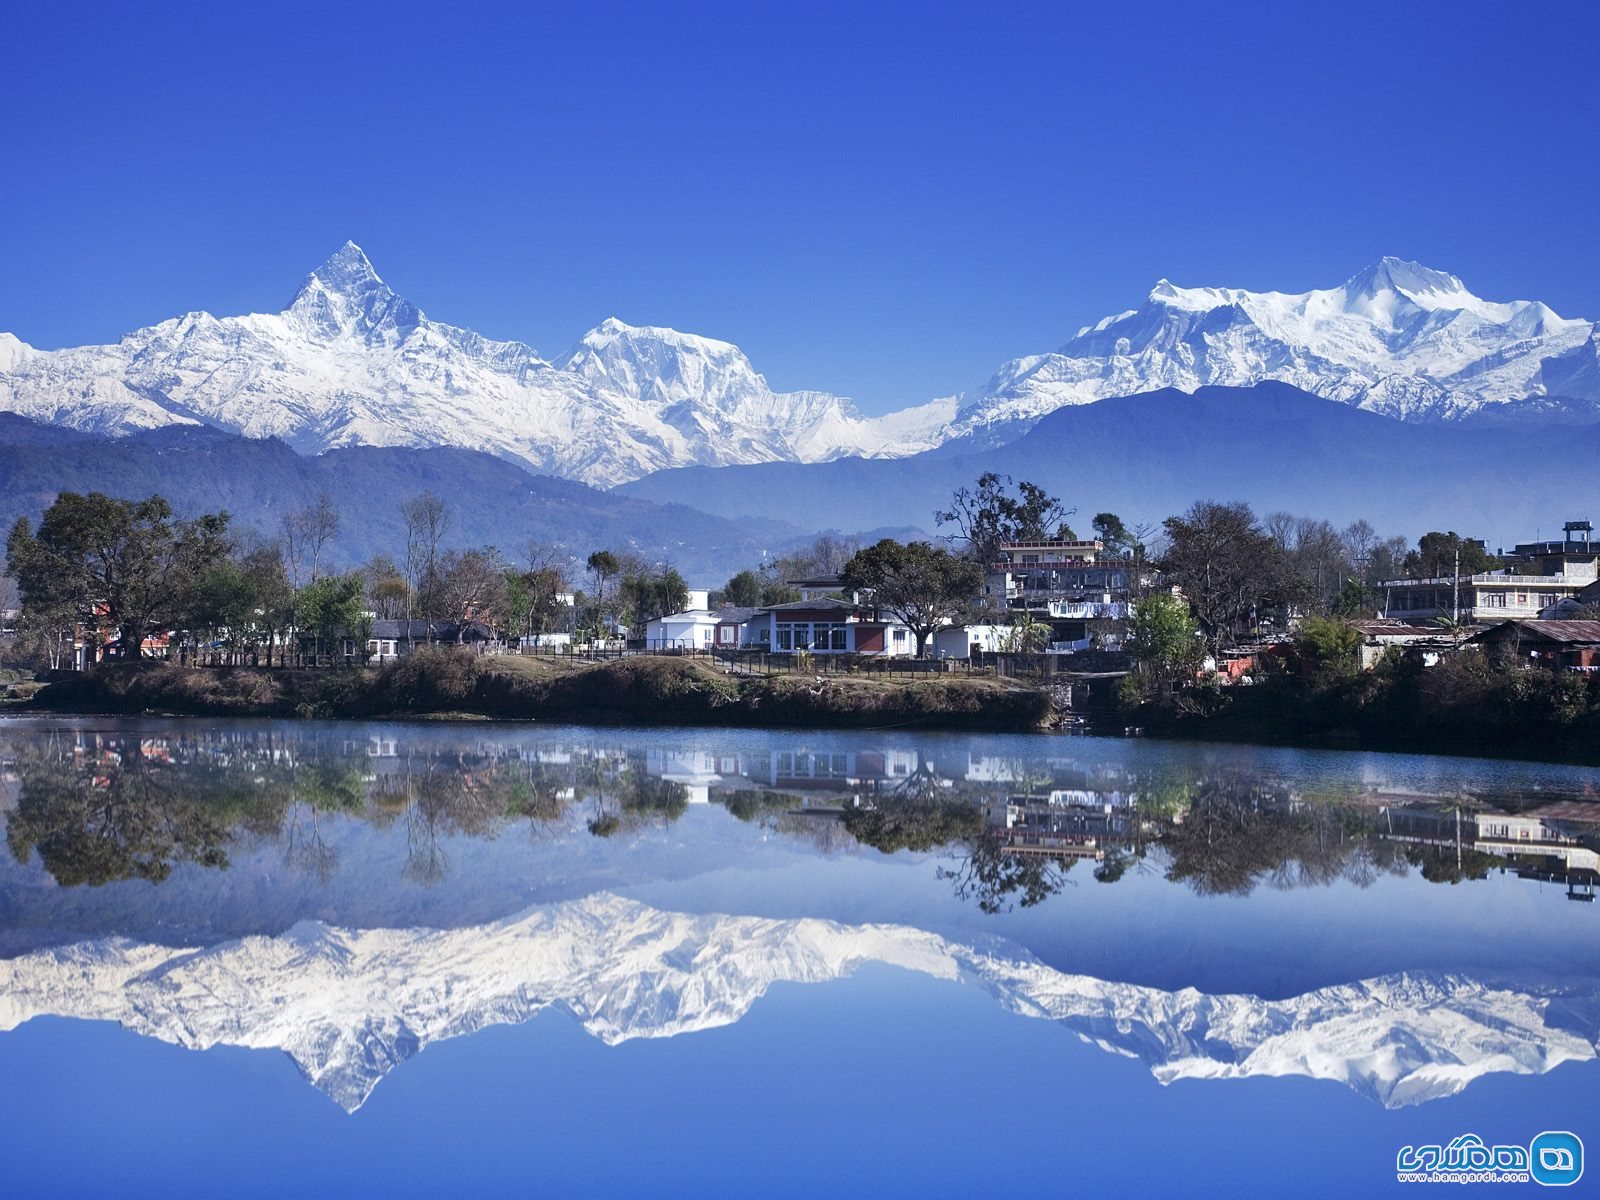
1560	844
1065	824
698	771
801	770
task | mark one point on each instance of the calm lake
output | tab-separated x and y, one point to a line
274	958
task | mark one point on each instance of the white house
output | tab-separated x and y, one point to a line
691	630
959	641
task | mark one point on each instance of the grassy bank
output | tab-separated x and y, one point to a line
644	689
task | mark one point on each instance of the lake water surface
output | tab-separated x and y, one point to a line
272	958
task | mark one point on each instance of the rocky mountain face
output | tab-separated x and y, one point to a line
350	362
348	1006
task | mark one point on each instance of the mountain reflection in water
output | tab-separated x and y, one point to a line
348	1006
350	893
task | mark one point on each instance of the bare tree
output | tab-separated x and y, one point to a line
427	519
387	593
306	534
1360	540
471	584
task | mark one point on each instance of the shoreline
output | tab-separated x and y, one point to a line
637	691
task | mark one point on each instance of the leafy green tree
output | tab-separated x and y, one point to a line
1164	639
331	607
990	514
516	604
1025	635
1435	556
125	563
1330	646
1352	600
1108	527
743	590
922	585
275	597
388	593
645	596
603	565
226	604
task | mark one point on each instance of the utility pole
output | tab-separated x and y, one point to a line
1455	591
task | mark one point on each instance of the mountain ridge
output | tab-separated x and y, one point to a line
1151	455
491	500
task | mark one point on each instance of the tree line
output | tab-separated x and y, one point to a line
133	569
129	570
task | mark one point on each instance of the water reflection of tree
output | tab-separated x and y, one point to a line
637	799
994	875
319	786
116	815
100	809
1451	864
1237	834
915	823
989	872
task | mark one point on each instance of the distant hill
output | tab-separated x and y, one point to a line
1149	456
492	501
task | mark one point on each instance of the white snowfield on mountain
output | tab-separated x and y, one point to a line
348	1006
350	362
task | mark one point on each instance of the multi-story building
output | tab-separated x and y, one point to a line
1537	575
1074	586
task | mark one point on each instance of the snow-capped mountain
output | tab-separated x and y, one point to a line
350	362
348	1006
1396	338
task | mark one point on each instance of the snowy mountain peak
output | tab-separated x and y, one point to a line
350	361
1403	275
345	297
1168	295
614	331
1397	337
665	367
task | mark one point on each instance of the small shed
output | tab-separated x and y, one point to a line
1571	644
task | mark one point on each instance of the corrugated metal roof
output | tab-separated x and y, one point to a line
1549	631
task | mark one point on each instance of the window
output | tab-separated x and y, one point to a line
785	637
838	638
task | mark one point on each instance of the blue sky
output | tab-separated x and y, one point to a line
878	200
